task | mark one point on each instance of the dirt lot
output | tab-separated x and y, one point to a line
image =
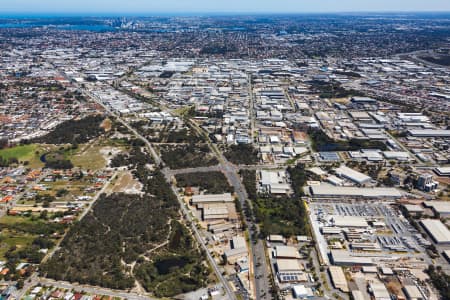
126	184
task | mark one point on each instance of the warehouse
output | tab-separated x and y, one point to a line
370	155
338	278
412	292
365	246
232	255
425	133
219	228
397	155
352	175
302	292
287	252
238	251
329	191
336	181
329	156
216	198
239	242
437	231
349	221
379	291
290	270
330	230
441	209
360	116
343	258
215	212
289	266
274	182
442	171
363	100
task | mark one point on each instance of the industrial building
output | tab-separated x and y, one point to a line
437	231
274	182
302	292
429	133
412	292
286	252
442	171
215	198
352	175
329	191
441	209
290	270
345	258
238	250
338	277
349	221
379	291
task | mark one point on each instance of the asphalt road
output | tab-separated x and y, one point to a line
260	267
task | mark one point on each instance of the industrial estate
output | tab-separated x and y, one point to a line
220	158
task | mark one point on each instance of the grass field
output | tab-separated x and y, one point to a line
30	153
22	153
9	239
9	220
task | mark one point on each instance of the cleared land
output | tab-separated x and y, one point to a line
90	158
126	184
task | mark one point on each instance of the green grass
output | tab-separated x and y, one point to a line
30	153
22	153
10	220
9	240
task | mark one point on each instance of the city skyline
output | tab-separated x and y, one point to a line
141	7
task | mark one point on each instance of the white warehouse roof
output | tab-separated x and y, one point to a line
353	175
429	133
349	221
437	230
326	190
218	198
286	252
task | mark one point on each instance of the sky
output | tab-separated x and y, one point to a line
145	7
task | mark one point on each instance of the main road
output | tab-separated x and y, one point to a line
261	270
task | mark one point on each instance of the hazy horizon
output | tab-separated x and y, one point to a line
190	7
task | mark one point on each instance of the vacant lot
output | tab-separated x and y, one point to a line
89	158
126	184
